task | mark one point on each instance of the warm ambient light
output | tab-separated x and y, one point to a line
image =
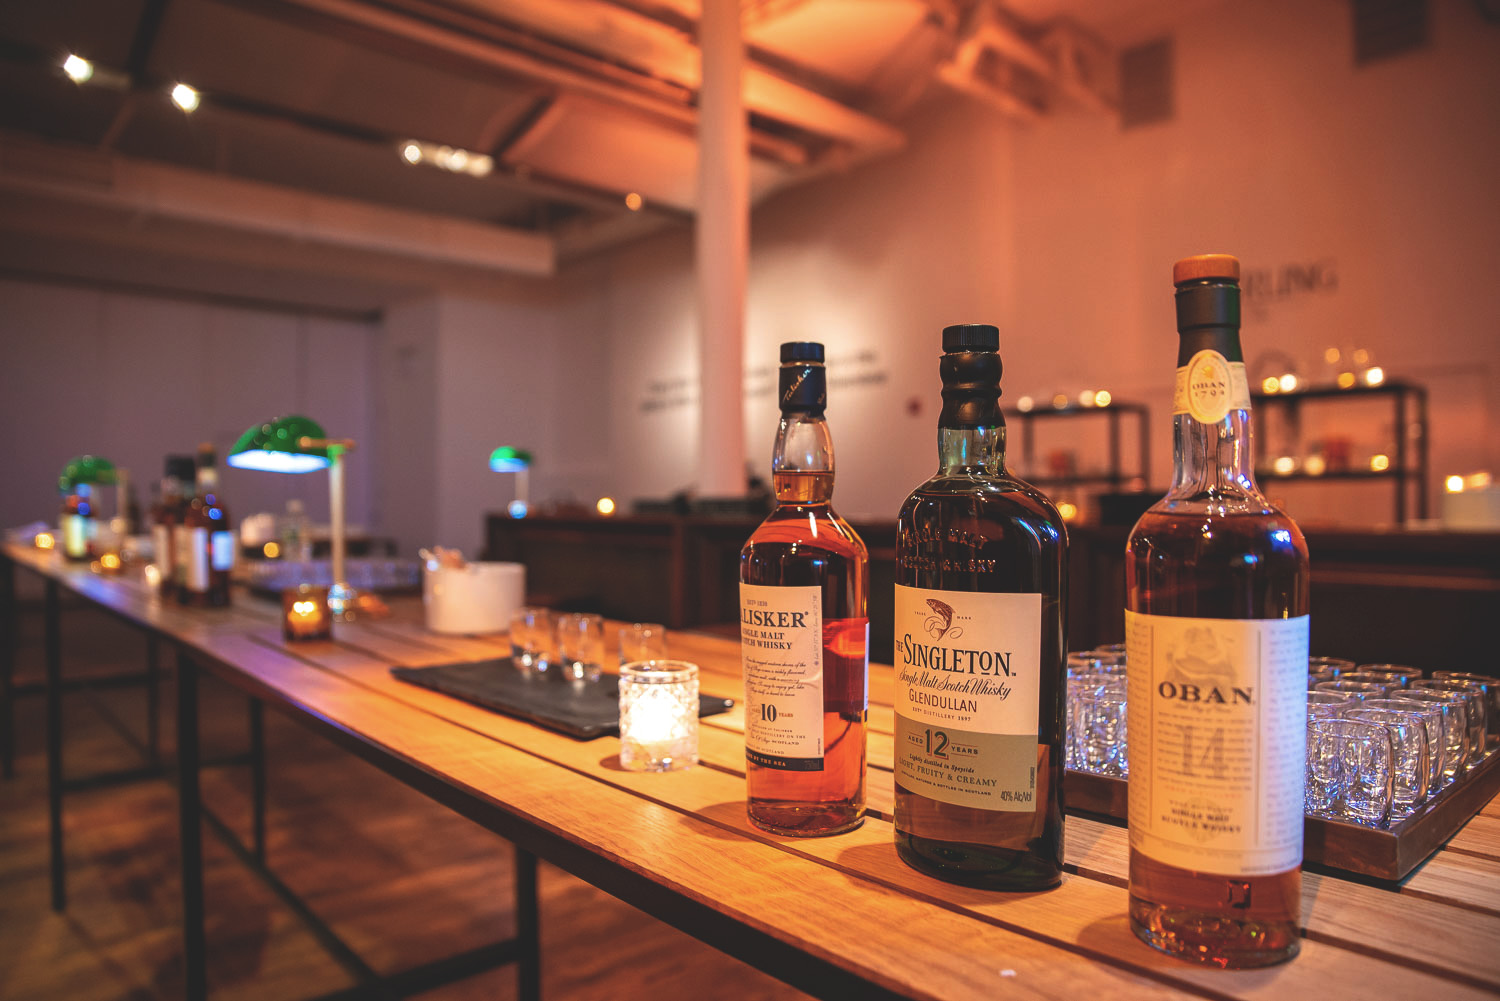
1103	398
271	549
152	573
1270	384
1455	485
449	158
110	561
44	540
1374	376
1315	465
1024	404
1331	356
606	506
1380	462
1346	380
186	97
1086	398
79	69
1060	401
1068	510
634	201
1284	465
1288	383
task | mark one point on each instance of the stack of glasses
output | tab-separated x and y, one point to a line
1096	712
1381	739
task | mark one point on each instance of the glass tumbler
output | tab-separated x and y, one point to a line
1349	771
1432	719
1403	674
531	640
1338	666
1455	707
643	641
1359	690
1477	698
1410	755
1491	685
580	646
1328	705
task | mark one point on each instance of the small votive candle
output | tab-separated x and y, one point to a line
305	614
658	715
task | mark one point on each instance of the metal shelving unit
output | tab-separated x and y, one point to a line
1408	454
1115	413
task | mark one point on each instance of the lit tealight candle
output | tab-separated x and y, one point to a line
658	715
305	614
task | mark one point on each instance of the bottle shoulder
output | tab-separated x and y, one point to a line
982	494
810	527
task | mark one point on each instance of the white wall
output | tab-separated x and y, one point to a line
1064	234
134	377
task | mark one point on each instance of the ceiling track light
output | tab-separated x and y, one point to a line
185	97
449	158
78	69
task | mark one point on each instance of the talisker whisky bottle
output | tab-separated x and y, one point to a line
1216	627
980	585
804	631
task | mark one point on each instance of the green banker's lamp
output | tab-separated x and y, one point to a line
90	469
508	459
297	444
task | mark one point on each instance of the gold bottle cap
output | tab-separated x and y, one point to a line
1200	267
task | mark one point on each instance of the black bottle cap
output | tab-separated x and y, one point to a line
971	337
802	384
970	368
1208	306
802	351
181	467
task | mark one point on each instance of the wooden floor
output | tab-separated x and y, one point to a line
402	880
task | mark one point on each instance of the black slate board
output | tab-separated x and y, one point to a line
582	711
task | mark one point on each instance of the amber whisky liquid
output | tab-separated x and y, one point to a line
804	544
975	528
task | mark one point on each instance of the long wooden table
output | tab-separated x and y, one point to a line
839	917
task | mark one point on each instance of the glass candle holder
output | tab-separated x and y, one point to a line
305	614
658	715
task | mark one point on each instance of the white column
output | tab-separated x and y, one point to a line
723	243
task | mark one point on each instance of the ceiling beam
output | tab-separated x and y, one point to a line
154	190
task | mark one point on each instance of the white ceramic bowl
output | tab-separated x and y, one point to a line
479	598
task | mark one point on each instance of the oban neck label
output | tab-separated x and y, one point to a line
1208	387
781	647
968	670
1218	734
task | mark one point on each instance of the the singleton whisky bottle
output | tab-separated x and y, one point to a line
205	539
1216	628
804	630
980	571
166	515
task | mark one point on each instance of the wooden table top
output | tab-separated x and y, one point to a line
845	902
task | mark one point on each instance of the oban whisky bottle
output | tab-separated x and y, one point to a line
979	642
205	540
804	630
1216	626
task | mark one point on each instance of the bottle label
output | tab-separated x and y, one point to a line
75	533
1208	387
222	548
161	542
968	686
781	646
197	559
181	542
1217	720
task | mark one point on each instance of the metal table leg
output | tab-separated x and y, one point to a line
528	928
53	641
190	828
153	699
257	781
9	642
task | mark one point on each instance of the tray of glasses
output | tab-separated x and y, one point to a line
1387	853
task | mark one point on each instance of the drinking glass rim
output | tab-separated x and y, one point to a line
658	671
